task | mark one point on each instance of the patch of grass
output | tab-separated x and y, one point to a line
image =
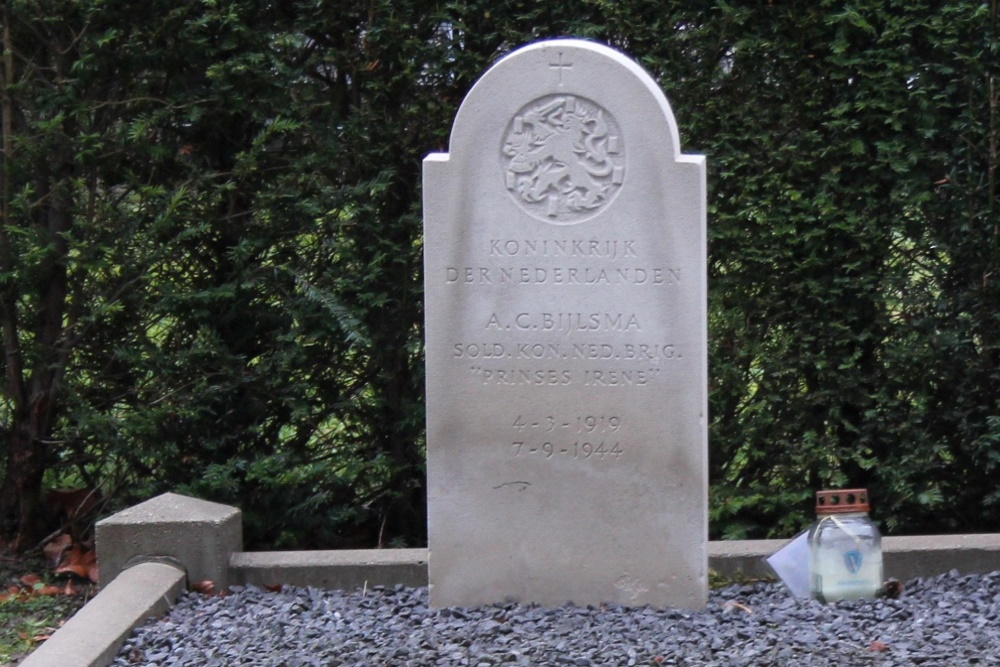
30	612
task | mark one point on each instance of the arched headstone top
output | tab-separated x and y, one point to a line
570	67
566	127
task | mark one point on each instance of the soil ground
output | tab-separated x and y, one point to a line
34	603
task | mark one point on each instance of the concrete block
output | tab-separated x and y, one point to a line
200	535
94	635
930	555
341	570
742	559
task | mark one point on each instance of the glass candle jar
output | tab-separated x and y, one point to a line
845	547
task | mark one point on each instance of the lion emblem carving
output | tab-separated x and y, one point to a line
563	158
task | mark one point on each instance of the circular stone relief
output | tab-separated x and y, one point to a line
563	158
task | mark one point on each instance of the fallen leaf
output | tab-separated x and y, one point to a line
892	589
736	605
274	588
878	647
31	580
80	563
206	587
55	549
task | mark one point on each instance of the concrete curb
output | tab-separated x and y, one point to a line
344	570
904	558
93	637
196	533
95	634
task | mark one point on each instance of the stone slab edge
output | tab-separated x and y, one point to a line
904	557
344	570
93	637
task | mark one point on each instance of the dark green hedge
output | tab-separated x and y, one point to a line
211	249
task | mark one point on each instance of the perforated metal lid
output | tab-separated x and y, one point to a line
837	501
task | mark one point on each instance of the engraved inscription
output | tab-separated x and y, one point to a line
594	437
525	275
554	377
563	158
548	345
578	449
538	351
607	249
588	424
618	269
568	323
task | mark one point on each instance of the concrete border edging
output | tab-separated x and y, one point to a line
94	635
903	558
201	535
344	570
166	540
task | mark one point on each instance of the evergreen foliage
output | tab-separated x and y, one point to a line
210	251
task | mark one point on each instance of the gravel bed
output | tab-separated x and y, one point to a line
941	621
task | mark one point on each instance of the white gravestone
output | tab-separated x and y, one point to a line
566	340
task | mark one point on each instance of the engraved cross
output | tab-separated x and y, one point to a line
560	66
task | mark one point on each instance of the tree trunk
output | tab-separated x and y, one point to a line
33	381
21	492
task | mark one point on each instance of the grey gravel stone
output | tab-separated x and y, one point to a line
945	620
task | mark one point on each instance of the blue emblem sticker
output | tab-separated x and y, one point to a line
852	559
